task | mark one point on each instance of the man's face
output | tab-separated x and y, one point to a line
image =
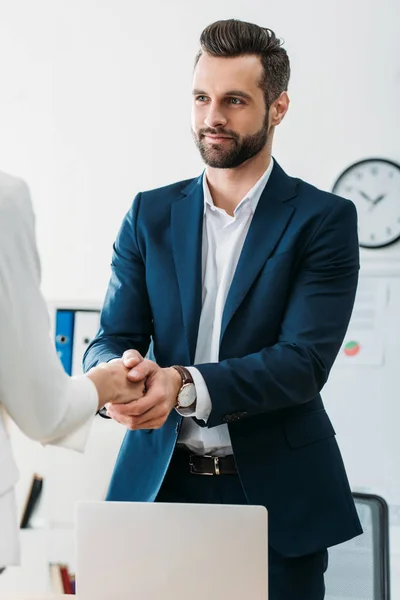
229	115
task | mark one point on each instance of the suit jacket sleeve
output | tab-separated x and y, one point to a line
126	319
294	370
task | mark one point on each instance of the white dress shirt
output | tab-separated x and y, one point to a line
35	391
223	239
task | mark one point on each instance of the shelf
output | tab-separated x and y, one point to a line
39	547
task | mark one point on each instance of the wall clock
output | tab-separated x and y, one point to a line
374	187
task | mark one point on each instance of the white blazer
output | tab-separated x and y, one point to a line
39	396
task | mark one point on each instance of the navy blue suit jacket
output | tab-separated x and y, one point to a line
284	320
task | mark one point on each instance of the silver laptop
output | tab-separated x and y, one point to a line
146	551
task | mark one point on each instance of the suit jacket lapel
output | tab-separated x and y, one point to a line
187	236
269	222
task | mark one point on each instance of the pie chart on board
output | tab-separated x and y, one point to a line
352	348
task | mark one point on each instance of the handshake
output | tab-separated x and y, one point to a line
137	392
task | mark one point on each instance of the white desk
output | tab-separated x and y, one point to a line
63	597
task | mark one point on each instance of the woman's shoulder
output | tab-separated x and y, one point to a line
14	194
16	210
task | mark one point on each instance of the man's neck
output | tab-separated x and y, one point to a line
229	186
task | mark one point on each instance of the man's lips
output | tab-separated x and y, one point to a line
217	138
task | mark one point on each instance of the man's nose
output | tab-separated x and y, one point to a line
215	117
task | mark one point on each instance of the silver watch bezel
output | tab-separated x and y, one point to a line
181	395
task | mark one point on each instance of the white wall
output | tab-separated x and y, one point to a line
95	106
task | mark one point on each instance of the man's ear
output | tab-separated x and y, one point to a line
279	109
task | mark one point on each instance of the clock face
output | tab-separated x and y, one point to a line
374	187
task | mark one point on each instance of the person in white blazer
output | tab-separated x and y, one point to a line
46	404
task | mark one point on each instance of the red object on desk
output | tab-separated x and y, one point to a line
66	579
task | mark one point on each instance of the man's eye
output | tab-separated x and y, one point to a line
235	101
201	98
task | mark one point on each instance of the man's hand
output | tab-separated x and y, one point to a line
130	359
111	380
152	410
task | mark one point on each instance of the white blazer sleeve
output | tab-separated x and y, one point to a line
42	399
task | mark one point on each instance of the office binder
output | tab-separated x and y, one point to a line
86	326
56	582
62	581
64	337
66	579
32	501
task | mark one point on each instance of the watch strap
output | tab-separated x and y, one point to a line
184	373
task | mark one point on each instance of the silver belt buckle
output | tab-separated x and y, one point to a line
216	466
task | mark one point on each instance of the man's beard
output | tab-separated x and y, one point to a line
232	154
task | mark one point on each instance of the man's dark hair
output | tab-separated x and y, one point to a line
233	38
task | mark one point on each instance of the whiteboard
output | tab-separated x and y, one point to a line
362	397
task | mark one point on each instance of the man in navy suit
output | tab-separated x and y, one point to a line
244	281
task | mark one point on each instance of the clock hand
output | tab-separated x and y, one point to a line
377	200
364	195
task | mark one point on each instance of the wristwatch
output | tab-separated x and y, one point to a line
187	395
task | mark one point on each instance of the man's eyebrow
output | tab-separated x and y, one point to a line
237	93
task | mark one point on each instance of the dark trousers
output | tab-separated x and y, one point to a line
299	578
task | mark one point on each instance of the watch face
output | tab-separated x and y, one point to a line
374	187
187	395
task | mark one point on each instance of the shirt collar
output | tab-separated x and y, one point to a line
253	195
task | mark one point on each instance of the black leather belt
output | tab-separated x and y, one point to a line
212	465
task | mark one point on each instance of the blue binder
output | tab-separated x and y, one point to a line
64	334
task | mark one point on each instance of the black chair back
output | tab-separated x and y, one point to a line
359	569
